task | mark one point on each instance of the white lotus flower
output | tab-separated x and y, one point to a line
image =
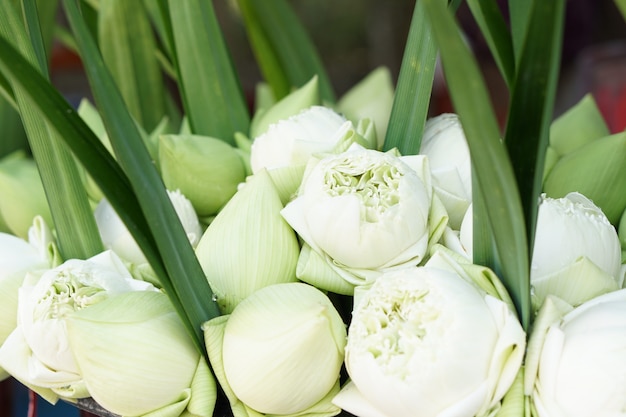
280	352
425	342
292	141
582	362
576	254
363	212
446	147
37	352
116	236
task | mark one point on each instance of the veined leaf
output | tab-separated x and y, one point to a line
129	51
532	103
491	165
494	28
183	278
212	97
283	49
78	236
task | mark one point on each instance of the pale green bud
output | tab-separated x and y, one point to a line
581	124
206	170
248	245
22	196
280	352
596	170
136	357
371	98
576	254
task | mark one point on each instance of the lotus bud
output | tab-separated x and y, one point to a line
596	170
292	141
576	254
581	124
425	342
280	352
23	196
115	235
206	170
152	365
248	245
445	146
364	212
263	97
37	352
372	98
18	257
577	365
292	104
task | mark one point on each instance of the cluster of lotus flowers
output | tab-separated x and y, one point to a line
324	255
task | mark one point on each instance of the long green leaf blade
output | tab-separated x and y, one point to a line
129	51
83	142
282	47
415	83
490	161
532	103
185	281
519	14
212	96
78	236
494	28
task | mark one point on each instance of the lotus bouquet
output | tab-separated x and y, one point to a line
323	256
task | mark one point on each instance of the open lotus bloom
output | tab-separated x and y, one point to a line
579	359
137	359
279	353
445	146
38	352
361	213
576	254
18	257
425	342
116	236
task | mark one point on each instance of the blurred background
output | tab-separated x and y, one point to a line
354	37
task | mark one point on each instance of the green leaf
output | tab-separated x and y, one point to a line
519	15
492	168
415	82
78	236
212	97
532	103
494	29
129	51
183	278
283	49
621	5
